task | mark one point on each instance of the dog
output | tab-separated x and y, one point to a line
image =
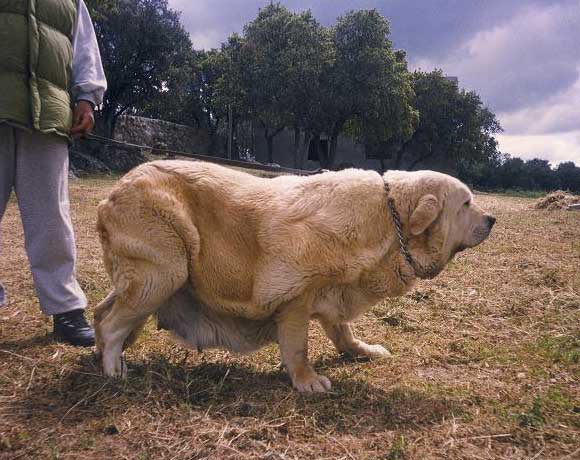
226	259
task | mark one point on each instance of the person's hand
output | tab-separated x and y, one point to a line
83	119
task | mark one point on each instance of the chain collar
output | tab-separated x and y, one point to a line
402	239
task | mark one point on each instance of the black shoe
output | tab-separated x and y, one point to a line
72	328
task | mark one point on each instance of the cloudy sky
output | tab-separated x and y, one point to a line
521	56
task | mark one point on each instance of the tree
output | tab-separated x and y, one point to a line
231	89
366	89
274	70
453	124
179	100
100	9
310	52
539	175
393	121
141	43
212	67
482	173
513	174
568	176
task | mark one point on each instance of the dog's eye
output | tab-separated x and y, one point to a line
467	203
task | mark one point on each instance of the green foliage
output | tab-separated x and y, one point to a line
143	46
568	176
454	126
366	91
506	172
274	69
191	93
533	418
560	349
288	71
178	102
397	450
212	67
101	9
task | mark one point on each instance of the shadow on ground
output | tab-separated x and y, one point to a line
228	392
15	346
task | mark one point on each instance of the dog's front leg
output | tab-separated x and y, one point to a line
292	324
345	341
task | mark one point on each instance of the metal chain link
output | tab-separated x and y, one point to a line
403	243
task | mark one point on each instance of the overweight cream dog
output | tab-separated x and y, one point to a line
226	259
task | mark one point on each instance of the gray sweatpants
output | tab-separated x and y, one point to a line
35	165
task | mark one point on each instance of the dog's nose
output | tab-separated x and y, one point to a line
490	221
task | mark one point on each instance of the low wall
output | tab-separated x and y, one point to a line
162	134
89	155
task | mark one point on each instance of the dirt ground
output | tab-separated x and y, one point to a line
485	366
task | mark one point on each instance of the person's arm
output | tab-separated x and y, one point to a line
88	78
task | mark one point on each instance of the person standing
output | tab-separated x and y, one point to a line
52	78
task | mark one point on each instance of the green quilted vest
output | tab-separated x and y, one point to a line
36	63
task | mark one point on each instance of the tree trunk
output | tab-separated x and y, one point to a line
332	150
421	158
333	144
400	153
296	147
322	155
230	131
304	151
253	123
235	144
214	147
270	143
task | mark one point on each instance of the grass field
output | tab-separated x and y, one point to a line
485	366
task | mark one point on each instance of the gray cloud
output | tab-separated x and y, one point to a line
518	63
521	56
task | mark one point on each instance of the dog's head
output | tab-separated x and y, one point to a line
440	216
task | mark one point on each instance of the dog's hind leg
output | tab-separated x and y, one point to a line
147	287
148	243
134	334
102	310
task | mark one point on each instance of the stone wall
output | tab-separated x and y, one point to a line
162	135
95	156
89	155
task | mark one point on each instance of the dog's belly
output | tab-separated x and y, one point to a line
201	327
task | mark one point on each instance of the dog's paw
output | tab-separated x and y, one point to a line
115	368
312	383
377	352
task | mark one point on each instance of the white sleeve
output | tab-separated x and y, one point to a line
88	77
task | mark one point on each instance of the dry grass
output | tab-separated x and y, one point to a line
557	200
485	366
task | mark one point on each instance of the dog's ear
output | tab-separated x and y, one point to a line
424	214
